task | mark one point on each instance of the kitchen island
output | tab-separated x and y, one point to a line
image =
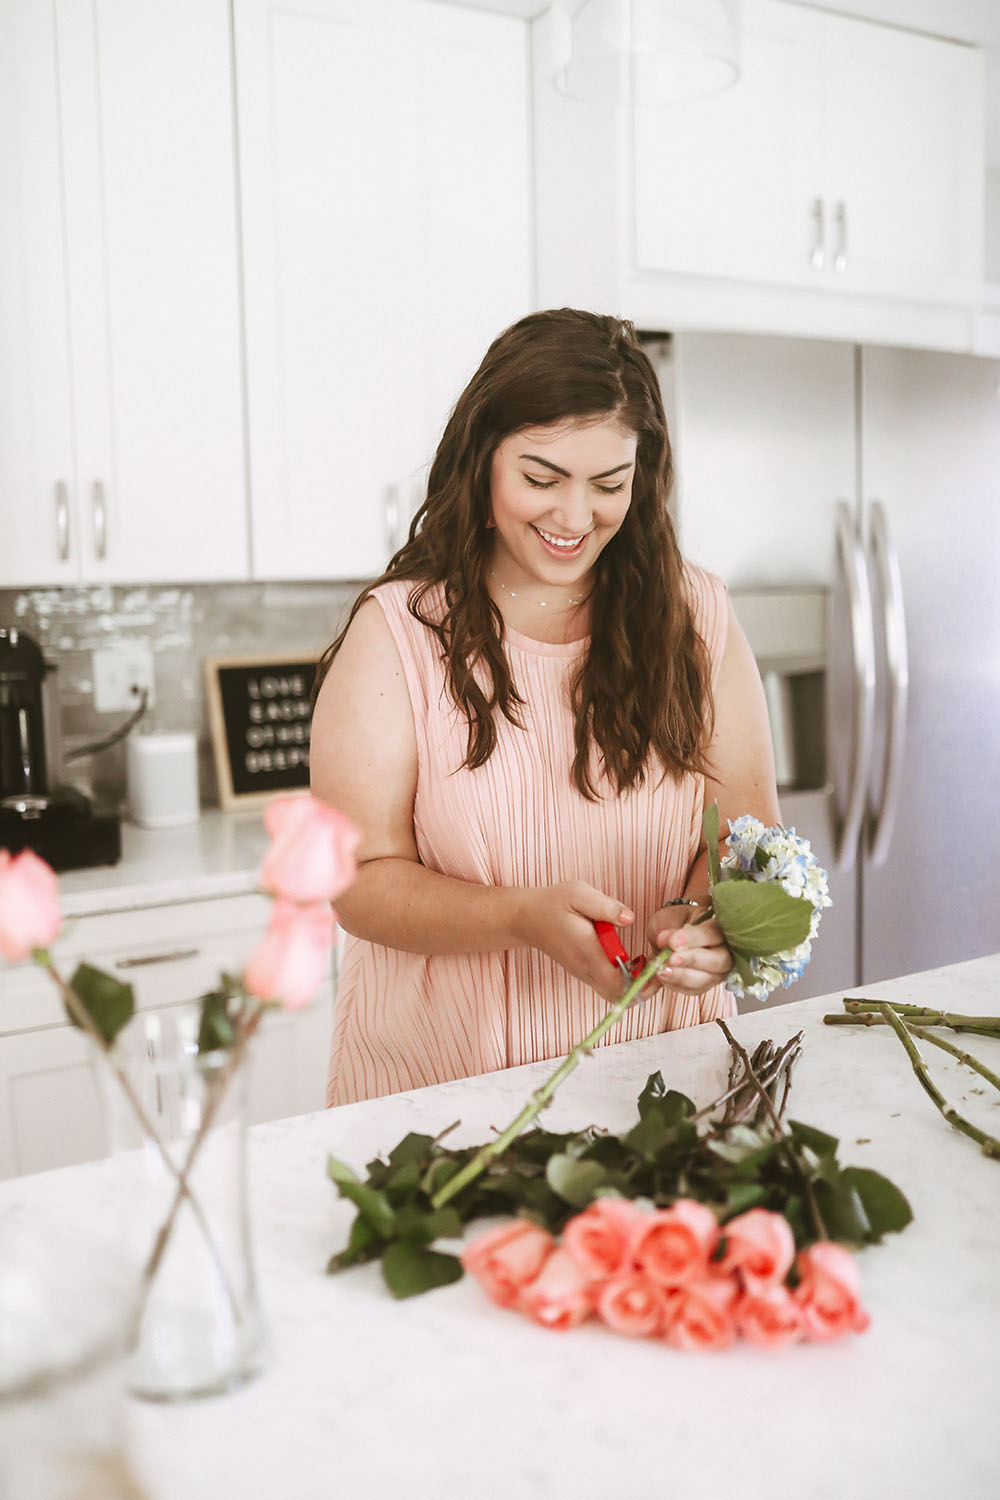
446	1396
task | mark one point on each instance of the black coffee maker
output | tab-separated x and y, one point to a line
58	822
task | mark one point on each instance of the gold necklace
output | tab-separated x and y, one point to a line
541	603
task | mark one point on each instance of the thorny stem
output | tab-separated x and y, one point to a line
988	1144
85	1021
542	1095
984	1025
871	1018
779	1126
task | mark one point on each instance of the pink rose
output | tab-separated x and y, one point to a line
674	1247
700	1316
632	1304
289	962
559	1297
505	1259
600	1239
760	1245
311	857
29	904
769	1316
827	1293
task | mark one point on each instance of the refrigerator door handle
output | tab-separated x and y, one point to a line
851	558
890	585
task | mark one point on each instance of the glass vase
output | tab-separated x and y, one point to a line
178	1124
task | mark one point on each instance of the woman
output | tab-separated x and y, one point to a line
525	716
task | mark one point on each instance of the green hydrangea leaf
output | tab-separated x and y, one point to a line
109	1003
410	1269
759	918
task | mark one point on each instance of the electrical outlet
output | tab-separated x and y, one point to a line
120	674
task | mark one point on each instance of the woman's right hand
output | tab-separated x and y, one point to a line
559	920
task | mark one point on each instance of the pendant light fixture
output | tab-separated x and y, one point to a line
646	52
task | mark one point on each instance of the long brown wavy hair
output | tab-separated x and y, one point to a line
643	687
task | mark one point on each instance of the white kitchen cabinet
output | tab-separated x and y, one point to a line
51	1112
385	189
836	189
121	423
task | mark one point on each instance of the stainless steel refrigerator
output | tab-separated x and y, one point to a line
850	497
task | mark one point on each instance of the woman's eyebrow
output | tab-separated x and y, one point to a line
533	458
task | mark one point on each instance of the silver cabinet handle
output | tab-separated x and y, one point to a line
100	521
62	519
144	959
840	219
817	259
890	587
855	573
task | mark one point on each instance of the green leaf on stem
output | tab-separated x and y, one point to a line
885	1206
843	1212
419	1227
759	918
824	1146
373	1206
215	1029
574	1180
109	1003
410	1269
710	823
362	1244
412	1148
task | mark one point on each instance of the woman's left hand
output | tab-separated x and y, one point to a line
700	959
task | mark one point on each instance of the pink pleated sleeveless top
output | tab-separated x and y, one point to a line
403	1020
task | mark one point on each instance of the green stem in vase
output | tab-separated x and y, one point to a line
988	1144
541	1096
183	1190
85	1021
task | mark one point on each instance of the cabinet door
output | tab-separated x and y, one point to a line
36	456
384	172
731	185
148	160
905	173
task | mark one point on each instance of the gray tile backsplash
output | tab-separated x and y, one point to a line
181	626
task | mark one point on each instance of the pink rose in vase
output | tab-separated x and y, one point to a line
504	1260
311	856
288	964
29	904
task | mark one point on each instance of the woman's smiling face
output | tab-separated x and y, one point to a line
558	496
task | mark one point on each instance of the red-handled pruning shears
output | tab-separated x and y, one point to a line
611	943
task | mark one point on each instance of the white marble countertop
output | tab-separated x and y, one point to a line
445	1396
217	856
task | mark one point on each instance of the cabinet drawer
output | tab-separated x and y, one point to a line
169	954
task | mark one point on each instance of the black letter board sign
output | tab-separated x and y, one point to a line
259	714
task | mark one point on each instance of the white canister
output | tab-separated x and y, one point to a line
163	779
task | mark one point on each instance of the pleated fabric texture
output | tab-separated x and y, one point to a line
404	1020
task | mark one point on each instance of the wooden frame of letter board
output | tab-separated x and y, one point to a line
222	749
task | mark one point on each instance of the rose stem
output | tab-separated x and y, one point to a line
987	1143
782	1132
85	1021
183	1191
986	1025
870	1018
542	1095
